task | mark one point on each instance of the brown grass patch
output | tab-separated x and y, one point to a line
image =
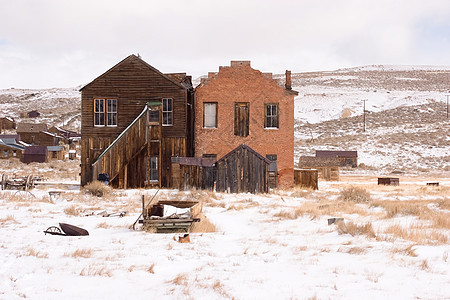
406	251
417	233
354	229
205	225
38	254
95	271
180	279
151	269
98	189
8	219
72	210
355	194
103	225
85	253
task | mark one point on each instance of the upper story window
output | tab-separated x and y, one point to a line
105	112
210	115
271	116
241	118
167	112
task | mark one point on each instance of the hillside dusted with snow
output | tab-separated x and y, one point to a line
407	129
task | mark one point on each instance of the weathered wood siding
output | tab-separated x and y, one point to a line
307	178
242	171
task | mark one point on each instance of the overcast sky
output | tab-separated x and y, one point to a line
63	43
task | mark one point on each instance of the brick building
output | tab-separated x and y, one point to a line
241	105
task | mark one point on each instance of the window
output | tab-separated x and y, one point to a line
105	108
153	116
241	117
6	153
271	118
54	154
167	112
15	153
111	108
99	112
154	176
210	115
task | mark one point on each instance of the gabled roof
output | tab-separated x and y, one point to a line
11	142
314	162
30	127
137	58
244	146
16	137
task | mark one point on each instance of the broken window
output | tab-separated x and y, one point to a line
154	174
167	111
210	115
271	116
153	116
241	118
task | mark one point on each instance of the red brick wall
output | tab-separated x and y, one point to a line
241	83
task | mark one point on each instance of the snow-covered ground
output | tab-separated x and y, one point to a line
259	250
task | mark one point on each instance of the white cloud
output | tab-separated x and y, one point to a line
66	43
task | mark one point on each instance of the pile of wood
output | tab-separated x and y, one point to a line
24	183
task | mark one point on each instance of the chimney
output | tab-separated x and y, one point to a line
288	84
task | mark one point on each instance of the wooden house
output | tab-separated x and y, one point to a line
10	147
67	134
134	119
35	154
328	167
33	114
49	139
55	153
243	170
240	105
29	132
346	158
7	123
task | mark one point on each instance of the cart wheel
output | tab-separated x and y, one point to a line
53	229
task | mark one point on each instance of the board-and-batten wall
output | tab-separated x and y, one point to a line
133	83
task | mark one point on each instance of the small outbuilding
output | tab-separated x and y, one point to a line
328	167
7	123
35	154
243	170
346	158
193	172
29	132
55	153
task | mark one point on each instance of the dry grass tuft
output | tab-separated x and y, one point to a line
417	233
95	271
103	225
98	189
405	208
424	265
85	253
8	219
220	289
406	251
38	254
205	225
355	194
151	269
72	210
180	279
354	229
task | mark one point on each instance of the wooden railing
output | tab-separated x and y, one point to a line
123	149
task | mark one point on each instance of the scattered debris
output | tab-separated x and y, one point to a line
17	183
184	239
69	230
433	183
335	220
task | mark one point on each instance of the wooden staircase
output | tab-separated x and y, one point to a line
127	159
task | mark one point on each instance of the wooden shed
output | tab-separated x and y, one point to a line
346	158
35	154
327	167
7	123
243	170
189	172
55	153
307	178
9	146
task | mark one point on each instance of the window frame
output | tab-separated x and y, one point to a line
111	113
215	117
106	112
153	171
167	112
273	118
